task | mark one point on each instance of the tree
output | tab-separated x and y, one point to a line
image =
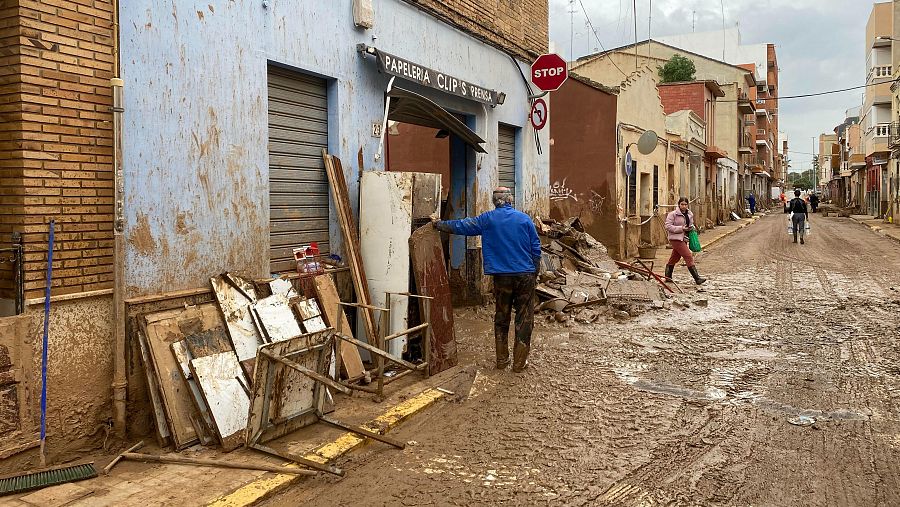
677	69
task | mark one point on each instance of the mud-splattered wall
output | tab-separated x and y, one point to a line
195	153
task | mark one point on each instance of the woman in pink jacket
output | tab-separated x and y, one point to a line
678	223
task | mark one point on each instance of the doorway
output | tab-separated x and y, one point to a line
412	147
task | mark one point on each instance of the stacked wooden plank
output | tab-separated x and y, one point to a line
199	360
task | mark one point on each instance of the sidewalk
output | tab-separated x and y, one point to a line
878	226
148	485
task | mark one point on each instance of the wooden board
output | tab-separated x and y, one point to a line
159	412
161	330
202	424
236	310
327	294
217	377
283	399
385	221
278	320
204	330
430	273
349	231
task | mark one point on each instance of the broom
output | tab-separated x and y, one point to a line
56	475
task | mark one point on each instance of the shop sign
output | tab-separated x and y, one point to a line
405	69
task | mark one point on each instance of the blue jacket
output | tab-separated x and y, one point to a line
509	241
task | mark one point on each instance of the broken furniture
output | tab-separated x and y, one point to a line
290	388
407	198
383	339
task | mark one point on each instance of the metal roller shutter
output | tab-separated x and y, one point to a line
506	157
298	186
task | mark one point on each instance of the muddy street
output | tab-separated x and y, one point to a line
783	390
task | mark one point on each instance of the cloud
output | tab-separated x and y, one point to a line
820	46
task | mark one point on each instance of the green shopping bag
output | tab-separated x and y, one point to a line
694	241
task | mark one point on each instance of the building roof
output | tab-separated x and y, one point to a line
594	56
593	84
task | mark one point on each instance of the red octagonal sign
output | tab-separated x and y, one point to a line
549	72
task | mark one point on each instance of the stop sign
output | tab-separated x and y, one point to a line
549	72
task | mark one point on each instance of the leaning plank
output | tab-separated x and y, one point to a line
430	273
351	362
277	318
159	413
161	330
203	423
235	298
341	198
217	377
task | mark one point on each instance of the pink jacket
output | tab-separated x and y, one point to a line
675	225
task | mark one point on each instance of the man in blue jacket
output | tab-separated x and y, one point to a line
512	255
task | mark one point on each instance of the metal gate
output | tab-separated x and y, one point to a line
506	157
298	186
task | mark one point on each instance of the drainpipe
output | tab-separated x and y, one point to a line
120	381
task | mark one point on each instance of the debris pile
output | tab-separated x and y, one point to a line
579	280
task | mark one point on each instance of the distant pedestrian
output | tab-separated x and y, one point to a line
678	223
511	251
752	200
797	206
814	202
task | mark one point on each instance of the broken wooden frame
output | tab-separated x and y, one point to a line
382	339
289	392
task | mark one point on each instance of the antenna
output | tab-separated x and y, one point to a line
572	30
694	21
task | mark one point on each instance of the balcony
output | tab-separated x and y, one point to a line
882	129
751	120
894	135
745	106
746	146
879	72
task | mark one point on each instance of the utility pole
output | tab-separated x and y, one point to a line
571	30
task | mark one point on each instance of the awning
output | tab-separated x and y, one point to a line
410	107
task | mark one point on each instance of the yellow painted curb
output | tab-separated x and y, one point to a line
259	489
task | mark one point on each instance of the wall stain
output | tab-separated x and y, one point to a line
141	236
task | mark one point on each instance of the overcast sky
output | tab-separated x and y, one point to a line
820	46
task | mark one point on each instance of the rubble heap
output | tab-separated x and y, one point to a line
579	279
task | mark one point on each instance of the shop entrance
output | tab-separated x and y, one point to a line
413	147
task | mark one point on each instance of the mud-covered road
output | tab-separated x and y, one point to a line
677	407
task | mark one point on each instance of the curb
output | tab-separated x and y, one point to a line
262	488
876	229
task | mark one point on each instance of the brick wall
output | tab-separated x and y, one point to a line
10	175
56	145
679	97
519	27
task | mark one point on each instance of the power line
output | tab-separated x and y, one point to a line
816	94
593	31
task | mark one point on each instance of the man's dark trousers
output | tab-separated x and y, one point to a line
513	292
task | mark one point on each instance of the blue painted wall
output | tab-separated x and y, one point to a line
195	131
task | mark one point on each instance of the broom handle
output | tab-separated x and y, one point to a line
44	347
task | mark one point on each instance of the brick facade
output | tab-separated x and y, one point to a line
519	27
56	139
684	96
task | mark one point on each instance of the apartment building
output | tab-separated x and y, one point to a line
876	110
